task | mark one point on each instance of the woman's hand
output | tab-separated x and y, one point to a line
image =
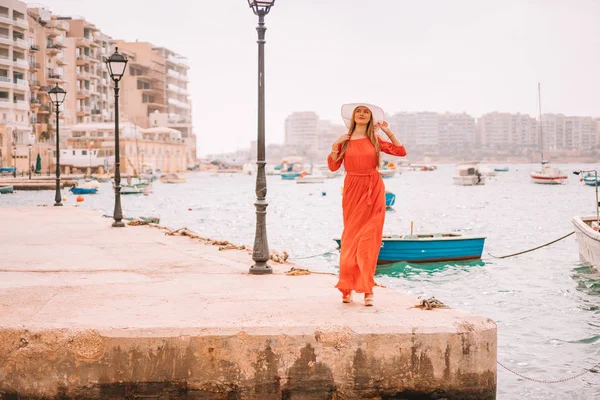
384	126
340	140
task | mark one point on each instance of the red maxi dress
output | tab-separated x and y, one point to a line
363	205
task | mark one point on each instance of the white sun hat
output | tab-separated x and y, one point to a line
348	109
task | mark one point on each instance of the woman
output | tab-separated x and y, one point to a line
363	203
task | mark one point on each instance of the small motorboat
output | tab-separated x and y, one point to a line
172	178
502	169
83	190
5	189
548	175
134	189
425	248
289	176
7	169
390	199
468	174
591	179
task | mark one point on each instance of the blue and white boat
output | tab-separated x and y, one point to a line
591	179
390	199
426	248
82	190
7	169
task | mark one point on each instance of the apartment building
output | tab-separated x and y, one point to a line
456	131
301	133
328	133
505	130
155	91
15	132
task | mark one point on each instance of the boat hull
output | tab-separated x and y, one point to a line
390	199
78	190
416	249
548	180
7	189
588	241
290	176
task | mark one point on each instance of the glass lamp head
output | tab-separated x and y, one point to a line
261	7
57	95
116	64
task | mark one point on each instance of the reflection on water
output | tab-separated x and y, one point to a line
407	270
545	304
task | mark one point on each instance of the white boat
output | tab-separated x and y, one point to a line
134	189
387	173
546	174
172	178
310	179
468	174
486	170
588	240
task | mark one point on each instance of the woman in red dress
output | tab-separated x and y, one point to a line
363	202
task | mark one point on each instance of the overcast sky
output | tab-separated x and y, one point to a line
474	56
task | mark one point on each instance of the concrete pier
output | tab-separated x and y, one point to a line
89	311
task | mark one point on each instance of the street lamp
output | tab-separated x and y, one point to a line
29	161
260	254
57	95
90	151
14	160
116	64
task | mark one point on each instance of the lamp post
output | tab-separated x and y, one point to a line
57	95
90	152
29	161
14	149
116	64
260	254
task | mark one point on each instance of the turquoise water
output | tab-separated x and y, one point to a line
546	305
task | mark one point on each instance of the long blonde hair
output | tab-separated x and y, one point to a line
370	134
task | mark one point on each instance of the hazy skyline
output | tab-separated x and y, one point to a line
471	56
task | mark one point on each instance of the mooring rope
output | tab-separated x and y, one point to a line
316	255
535	248
585	371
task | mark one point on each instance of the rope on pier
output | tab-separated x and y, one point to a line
535	248
585	371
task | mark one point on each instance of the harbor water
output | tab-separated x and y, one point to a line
545	303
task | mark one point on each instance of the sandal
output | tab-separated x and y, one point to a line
347	298
369	300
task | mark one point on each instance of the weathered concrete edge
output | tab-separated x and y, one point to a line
86	364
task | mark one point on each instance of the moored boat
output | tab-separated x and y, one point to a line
548	175
467	174
502	169
133	189
588	239
591	179
387	173
425	248
289	176
172	178
83	190
390	199
5	189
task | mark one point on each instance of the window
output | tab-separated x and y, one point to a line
84	152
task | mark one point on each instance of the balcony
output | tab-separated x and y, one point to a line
34	85
83	93
60	59
96	111
44	110
177	89
83	75
5	39
53	49
84	41
34	47
21	63
53	77
21	104
6	19
21	84
61	25
176	75
5	60
35	103
5	82
21	23
34	66
20	43
83	59
182	62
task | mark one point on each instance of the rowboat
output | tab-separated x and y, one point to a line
390	199
588	240
5	189
425	248
83	190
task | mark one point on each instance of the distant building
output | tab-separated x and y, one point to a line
506	131
301	133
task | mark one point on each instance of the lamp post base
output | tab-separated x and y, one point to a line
58	204
260	268
119	224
